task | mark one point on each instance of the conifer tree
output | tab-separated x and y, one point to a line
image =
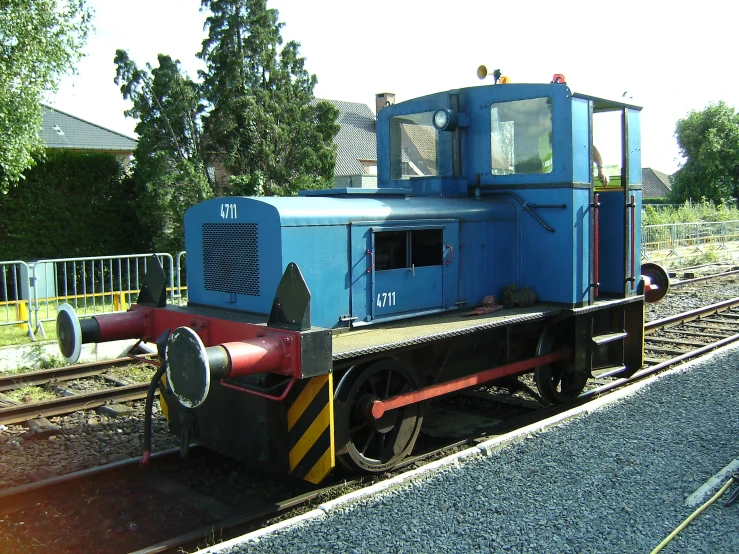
264	125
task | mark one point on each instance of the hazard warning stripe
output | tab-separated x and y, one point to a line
162	402
310	430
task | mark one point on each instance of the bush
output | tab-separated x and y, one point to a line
690	212
71	204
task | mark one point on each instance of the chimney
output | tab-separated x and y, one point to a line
383	99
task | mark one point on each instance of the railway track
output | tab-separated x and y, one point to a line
676	339
703	278
67	373
19	412
668	342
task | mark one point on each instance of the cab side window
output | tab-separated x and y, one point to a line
521	137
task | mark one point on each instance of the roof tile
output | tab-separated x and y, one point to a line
62	130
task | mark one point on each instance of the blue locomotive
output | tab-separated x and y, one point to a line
317	327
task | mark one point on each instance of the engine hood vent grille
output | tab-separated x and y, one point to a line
231	257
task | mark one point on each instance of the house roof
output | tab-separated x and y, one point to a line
62	130
356	139
655	184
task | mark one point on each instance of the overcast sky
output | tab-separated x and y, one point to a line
670	57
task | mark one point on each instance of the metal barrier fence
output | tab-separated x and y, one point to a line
181	273
671	237
15	295
92	285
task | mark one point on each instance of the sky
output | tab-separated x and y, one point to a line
670	57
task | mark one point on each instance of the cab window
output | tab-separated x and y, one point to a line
414	146
521	137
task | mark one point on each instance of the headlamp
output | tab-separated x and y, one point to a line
445	119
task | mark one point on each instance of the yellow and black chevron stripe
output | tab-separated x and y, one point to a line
310	428
162	402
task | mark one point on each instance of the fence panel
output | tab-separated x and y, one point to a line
674	238
15	295
181	277
92	285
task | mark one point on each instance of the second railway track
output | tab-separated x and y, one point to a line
115	389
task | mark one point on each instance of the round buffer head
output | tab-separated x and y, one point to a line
69	333
188	368
659	282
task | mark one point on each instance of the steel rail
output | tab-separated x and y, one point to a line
69	404
240	524
243	523
652	369
691	315
30	494
704	278
67	373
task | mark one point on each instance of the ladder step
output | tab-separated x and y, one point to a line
603	338
607	371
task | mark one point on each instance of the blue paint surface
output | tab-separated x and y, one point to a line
482	229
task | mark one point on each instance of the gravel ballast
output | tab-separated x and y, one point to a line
88	439
615	480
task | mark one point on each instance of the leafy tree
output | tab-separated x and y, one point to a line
709	140
40	40
168	170
264	126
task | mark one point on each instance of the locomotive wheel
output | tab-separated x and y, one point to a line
377	445
558	382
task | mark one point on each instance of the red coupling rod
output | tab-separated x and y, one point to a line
379	407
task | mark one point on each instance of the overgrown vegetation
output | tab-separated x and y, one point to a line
708	256
689	212
31	393
73	204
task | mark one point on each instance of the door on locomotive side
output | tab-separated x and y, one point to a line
615	131
402	268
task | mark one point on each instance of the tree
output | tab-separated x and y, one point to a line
264	125
168	169
709	140
40	40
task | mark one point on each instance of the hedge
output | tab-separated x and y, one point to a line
70	204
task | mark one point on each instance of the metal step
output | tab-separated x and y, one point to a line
608	371
611	336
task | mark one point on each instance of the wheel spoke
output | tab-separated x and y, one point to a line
377	445
361	425
557	379
370	436
387	383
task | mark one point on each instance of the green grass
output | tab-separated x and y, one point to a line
710	256
12	334
18	334
135	372
30	393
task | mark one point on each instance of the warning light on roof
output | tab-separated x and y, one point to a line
504	80
558	79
